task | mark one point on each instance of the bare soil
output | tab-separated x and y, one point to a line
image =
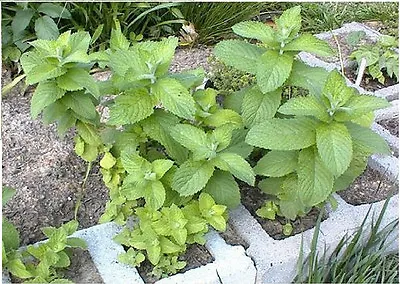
82	268
370	187
195	256
392	125
253	198
367	82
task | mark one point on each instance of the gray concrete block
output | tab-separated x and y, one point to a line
104	252
390	93
389	112
350	27
205	274
386	165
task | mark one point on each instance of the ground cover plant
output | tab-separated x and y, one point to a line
171	155
41	263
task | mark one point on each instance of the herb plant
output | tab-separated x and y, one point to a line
380	57
169	153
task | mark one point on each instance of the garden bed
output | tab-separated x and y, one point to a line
392	125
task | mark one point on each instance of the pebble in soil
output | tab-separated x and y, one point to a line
195	256
392	125
369	187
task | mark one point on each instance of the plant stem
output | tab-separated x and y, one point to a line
82	191
6	89
340	54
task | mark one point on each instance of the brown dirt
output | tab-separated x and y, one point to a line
367	82
82	268
370	187
195	256
253	198
392	125
232	238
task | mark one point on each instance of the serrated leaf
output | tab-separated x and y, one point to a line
45	94
160	167
235	100
272	70
336	90
314	178
370	53
239	54
224	189
238	144
58	240
21	20
307	77
359	105
154	194
70	227
77	48
88	133
76	243
108	161
78	79
123	60
222	136
256	30
311	44
154	254
277	163
334	147
54	10
272	186
63	260
169	247
133	163
43	72
257	107
30	60
174	97
131	107
236	165
223	117
90	153
17	268
289	23
192	138
7	194
305	106
81	104
366	140
356	168
192	177
10	236
190	78
157	127
283	134
46	28
117	40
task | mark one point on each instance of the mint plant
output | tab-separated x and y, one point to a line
42	263
380	57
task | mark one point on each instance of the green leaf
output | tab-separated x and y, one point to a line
238	144
17	268
257	107
239	54
235	100
45	94
81	104
277	163
108	161
370	53
54	10
90	153
76	243
223	117
192	177
78	79
78	47
117	40
359	105
190	78
131	107
272	186
10	236
334	147
160	167
133	163
289	23
58	240
46	28
70	227
256	30
174	97
7	194
336	89
305	106
88	133
154	195
236	165
154	254
357	167
41	72
158	126
21	20
307	77
367	140
63	260
224	189
272	70
192	138
314	178
311	44
169	247
268	211
123	60
222	136
283	134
